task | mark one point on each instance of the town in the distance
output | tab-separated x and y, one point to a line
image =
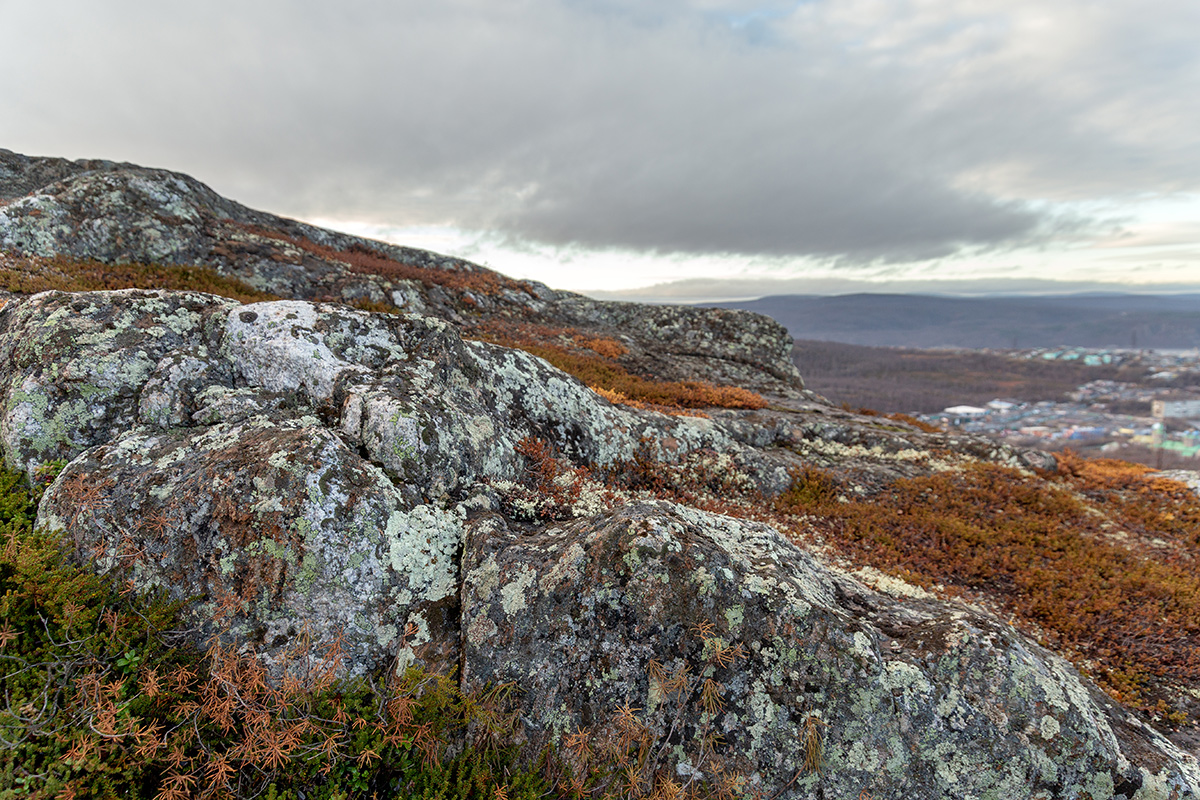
1154	419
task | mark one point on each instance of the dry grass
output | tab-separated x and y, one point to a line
32	274
1118	591
593	361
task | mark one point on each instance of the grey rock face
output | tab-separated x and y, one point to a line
124	213
20	175
318	473
324	426
277	525
834	689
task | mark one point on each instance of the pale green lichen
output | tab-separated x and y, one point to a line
422	545
513	592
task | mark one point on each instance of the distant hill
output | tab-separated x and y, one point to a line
1080	320
891	379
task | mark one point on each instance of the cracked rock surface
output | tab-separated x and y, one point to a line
311	472
315	470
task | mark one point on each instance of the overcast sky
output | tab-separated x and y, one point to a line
611	144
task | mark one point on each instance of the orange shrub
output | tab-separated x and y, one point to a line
585	358
609	348
1033	545
64	273
362	259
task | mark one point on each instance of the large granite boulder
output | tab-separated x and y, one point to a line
321	475
114	212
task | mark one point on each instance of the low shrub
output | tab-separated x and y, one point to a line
35	274
1118	592
593	361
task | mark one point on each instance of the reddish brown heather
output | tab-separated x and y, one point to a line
362	259
1117	592
29	275
593	361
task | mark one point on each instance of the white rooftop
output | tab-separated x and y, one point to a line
965	411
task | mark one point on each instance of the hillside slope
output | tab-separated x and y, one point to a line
1166	321
740	577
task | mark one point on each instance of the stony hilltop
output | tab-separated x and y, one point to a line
637	514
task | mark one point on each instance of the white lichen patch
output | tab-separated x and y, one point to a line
512	594
834	449
1049	727
891	585
276	346
422	548
905	676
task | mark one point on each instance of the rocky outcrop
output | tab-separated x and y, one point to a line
317	473
389	487
720	630
124	213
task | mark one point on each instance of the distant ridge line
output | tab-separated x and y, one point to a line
1085	319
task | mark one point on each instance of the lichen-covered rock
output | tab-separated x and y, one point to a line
20	175
814	684
304	458
74	366
280	530
438	412
124	213
681	342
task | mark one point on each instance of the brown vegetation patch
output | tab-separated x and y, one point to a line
364	260
1127	612
593	360
920	425
30	275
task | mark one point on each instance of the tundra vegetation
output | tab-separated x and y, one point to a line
354	543
107	697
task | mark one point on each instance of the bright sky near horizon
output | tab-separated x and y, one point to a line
725	147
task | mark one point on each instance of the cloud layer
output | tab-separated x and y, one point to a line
853	129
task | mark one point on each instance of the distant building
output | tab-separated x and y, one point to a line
965	411
1180	409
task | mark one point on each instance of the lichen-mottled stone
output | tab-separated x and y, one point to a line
914	700
125	213
317	474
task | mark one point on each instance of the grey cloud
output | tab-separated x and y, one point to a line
602	124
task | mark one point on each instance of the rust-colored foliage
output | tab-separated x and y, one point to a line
550	487
811	490
1100	594
602	346
362	259
920	425
36	274
617	398
592	360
